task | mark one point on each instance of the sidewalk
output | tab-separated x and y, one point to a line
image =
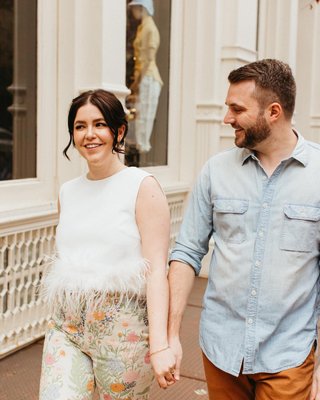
19	373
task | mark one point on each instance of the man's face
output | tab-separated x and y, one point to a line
245	115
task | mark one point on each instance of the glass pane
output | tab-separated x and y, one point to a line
18	39
147	75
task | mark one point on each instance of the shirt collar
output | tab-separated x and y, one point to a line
299	153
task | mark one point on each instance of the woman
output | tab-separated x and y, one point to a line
109	278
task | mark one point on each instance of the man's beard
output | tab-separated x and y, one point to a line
255	134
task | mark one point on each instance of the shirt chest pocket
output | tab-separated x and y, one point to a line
229	219
299	227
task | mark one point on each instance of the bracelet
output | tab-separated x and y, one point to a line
159	351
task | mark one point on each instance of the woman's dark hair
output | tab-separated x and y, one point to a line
111	109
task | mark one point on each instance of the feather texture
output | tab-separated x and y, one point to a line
76	283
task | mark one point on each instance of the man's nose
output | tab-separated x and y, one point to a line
228	118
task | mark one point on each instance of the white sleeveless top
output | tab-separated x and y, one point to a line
98	242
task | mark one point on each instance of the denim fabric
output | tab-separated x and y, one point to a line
260	305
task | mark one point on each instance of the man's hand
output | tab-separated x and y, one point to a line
315	390
181	278
176	348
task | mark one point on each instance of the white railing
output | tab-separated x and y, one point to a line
23	258
23	316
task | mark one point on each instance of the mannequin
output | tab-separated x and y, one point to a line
147	83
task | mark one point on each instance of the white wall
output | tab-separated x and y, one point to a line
81	45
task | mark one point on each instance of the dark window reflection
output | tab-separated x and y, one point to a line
6	76
148	45
18	60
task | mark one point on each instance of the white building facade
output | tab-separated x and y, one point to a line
83	44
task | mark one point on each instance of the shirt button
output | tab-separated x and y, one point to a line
260	233
264	178
253	292
250	321
257	263
265	205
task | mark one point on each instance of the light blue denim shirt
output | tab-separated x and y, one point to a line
260	305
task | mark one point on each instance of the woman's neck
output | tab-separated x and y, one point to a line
105	170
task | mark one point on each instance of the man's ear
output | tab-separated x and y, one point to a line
274	111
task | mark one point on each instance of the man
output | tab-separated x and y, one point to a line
260	202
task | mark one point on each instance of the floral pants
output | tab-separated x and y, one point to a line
105	346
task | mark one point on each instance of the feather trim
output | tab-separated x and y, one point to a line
73	284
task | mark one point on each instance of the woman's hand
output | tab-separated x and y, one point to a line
163	363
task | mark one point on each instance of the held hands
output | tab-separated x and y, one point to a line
163	363
175	345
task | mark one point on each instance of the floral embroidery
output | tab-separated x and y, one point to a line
49	359
113	336
98	315
90	385
117	387
71	328
132	337
51	324
130	376
147	358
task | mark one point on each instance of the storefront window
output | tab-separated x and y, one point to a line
18	38
147	76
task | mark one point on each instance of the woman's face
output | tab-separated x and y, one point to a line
92	136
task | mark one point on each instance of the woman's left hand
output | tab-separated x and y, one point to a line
163	364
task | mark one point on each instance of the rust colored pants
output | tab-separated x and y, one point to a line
291	384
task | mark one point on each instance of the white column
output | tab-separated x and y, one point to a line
113	49
239	31
101	45
278	30
68	82
208	107
209	25
88	43
92	54
187	94
315	78
239	47
307	72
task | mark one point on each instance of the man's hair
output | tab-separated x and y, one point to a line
274	83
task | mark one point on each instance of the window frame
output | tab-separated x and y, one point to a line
168	174
21	197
